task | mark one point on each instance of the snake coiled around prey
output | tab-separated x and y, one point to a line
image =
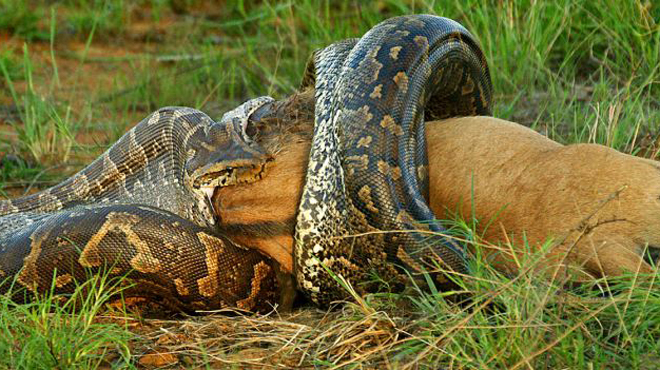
142	210
368	167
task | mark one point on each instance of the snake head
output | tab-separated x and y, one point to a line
224	154
226	159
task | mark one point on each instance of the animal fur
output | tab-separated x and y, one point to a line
599	207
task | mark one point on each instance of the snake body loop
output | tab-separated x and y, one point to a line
142	210
368	166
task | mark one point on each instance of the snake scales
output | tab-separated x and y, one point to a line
142	209
367	167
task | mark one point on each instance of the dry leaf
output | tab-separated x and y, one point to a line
158	359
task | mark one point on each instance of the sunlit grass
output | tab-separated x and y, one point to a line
52	332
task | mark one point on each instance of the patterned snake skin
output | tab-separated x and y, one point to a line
368	168
143	210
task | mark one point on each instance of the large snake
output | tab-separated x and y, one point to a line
142	210
367	167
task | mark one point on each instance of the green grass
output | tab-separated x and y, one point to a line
577	71
65	334
43	134
17	18
534	324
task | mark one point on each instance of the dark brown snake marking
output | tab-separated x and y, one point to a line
143	210
368	165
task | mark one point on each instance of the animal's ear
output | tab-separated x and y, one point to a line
309	76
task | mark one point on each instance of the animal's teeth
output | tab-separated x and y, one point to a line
208	191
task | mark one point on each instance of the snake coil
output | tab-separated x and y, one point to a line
142	210
368	166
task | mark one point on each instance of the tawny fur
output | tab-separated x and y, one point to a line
601	205
251	211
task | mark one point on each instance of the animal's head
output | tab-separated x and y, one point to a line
223	154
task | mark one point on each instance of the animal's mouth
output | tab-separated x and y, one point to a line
215	178
230	175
